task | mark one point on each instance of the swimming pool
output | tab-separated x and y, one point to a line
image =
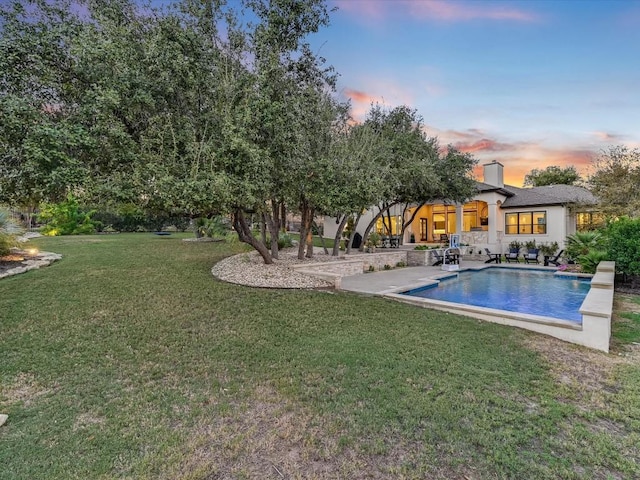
533	292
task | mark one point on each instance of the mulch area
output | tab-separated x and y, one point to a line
627	284
14	260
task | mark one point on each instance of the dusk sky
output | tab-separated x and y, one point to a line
528	83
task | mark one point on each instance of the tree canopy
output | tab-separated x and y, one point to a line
615	181
199	108
552	175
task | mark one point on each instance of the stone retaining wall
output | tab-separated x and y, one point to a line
352	265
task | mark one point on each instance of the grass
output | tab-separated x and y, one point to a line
126	359
627	327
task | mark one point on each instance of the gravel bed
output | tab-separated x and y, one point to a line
249	269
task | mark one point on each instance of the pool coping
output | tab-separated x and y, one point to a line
596	309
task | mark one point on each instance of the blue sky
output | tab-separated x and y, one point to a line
529	83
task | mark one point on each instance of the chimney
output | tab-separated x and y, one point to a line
493	174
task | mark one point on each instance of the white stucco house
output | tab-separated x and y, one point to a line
497	215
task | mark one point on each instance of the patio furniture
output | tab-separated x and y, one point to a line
438	256
493	257
395	242
554	261
444	238
512	256
532	256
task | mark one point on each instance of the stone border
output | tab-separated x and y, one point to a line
44	259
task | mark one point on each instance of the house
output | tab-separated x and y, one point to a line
497	215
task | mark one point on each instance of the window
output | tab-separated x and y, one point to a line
588	221
525	223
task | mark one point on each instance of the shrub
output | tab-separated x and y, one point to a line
210	227
387	266
231	237
549	249
373	240
66	218
624	245
589	262
581	243
421	247
125	218
284	241
530	245
9	230
401	264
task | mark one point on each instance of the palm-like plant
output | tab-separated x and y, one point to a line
9	230
581	243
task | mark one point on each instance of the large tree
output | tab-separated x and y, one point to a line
44	152
418	170
616	179
552	175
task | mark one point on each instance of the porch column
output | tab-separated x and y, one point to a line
459	219
494	222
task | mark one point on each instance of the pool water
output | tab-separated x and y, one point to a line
534	292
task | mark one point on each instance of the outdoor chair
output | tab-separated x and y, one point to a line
555	260
439	258
444	238
532	256
493	257
453	256
512	256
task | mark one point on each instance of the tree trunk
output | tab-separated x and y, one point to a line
353	233
274	227
310	216
324	247
263	229
372	223
410	221
306	235
336	240
244	234
283	217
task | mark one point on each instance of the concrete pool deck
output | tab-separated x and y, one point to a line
596	310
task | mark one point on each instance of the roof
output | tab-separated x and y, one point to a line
548	195
485	187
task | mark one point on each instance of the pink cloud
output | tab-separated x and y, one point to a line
361	101
607	137
358	96
483	145
518	158
441	10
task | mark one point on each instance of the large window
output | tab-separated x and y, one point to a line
526	223
443	220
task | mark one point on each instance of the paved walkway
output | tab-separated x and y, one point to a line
377	282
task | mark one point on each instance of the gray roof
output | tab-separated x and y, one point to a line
485	187
548	195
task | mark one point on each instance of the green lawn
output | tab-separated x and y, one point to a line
126	359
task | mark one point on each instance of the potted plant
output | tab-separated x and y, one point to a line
412	238
515	246
549	249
